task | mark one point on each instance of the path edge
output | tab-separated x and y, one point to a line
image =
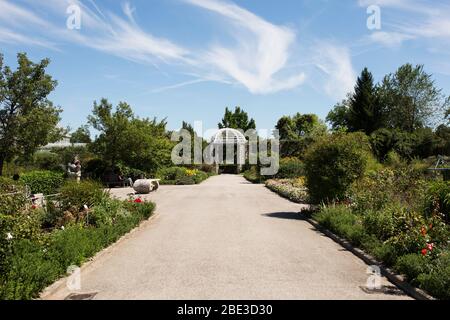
59	285
390	274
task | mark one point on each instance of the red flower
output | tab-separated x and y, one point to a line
34	206
138	200
423	231
430	246
424	252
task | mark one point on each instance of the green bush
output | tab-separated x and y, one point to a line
290	168
380	224
437	282
46	160
412	265
438	199
253	175
95	169
334	163
185	180
46	182
341	220
77	195
181	176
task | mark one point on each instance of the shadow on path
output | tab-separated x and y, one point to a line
285	215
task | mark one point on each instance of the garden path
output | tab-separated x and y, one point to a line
224	239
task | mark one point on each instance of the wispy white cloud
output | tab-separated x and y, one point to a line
336	63
425	22
261	56
260	53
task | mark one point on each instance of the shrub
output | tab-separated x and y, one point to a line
45	160
181	176
381	187
185	180
95	169
253	175
412	265
341	220
380	223
77	195
46	182
290	168
334	163
438	199
437	282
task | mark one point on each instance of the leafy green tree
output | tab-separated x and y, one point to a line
28	119
128	140
338	117
365	113
298	132
237	120
411	98
81	135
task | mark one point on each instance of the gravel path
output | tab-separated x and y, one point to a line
225	239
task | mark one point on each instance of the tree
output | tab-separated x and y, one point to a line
28	118
298	132
338	116
365	113
81	135
411	98
128	140
237	120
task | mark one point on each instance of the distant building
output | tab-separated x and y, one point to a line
64	143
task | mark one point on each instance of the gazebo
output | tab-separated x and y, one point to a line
229	138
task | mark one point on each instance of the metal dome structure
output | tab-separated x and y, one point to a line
229	136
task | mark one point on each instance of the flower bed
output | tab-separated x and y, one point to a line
37	245
401	219
292	189
182	176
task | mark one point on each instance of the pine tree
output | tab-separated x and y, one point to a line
365	110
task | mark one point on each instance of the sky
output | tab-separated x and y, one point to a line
186	60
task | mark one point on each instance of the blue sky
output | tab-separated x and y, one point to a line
189	59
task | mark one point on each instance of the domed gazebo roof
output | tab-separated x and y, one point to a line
229	136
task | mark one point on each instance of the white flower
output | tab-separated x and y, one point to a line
86	207
62	228
9	236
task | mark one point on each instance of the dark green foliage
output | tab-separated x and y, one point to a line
254	175
46	182
237	120
334	163
129	140
77	195
45	160
181	176
95	168
365	113
412	265
410	98
438	199
437	282
81	135
298	132
290	168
